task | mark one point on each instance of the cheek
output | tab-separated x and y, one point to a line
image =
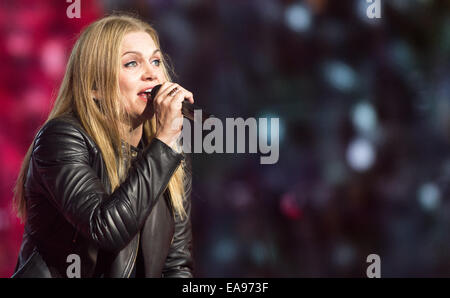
124	83
160	75
125	88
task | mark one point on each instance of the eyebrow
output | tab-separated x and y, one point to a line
139	53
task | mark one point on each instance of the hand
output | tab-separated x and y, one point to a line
167	105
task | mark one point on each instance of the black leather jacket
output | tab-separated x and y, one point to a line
70	210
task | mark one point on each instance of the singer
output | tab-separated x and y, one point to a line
104	179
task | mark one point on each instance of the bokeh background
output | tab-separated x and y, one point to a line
364	113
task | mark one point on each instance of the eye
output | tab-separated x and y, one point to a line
131	63
156	62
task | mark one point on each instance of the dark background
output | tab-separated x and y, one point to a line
363	104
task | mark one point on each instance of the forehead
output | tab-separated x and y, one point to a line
138	42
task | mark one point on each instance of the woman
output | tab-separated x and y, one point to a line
103	179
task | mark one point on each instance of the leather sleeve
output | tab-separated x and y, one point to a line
180	262
60	159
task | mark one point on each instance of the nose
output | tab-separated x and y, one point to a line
149	73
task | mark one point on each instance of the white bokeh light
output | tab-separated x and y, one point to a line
364	117
360	155
339	75
298	18
429	196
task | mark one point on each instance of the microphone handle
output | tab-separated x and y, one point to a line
188	111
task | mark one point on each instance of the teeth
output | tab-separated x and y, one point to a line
148	90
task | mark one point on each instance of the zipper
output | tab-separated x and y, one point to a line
170	202
167	184
135	256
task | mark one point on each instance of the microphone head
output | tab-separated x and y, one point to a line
154	91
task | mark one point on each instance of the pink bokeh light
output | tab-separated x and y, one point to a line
35	40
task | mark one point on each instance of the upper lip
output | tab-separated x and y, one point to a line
148	87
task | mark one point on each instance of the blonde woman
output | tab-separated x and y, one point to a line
104	189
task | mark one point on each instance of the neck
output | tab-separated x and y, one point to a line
133	135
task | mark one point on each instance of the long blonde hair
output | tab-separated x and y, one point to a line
89	68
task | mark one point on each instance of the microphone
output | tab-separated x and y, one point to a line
187	109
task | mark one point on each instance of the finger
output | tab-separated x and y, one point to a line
188	95
174	98
177	100
172	87
165	86
167	89
164	90
170	93
173	91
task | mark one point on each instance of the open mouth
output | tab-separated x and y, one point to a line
145	95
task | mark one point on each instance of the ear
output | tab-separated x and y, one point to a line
95	94
96	97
